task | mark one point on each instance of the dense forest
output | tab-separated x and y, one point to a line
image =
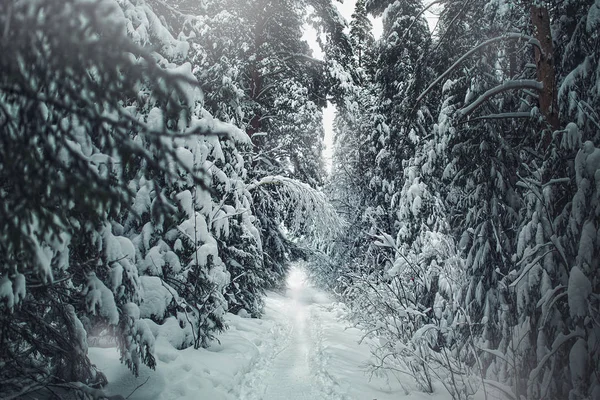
161	164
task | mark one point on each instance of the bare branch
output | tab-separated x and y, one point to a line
509	85
508	36
138	386
501	116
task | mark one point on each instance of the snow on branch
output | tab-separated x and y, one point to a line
507	36
509	85
305	209
416	18
508	115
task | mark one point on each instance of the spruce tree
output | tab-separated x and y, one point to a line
109	163
69	99
362	39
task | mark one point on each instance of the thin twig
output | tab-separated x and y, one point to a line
138	386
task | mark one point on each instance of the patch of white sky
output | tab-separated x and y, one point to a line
346	9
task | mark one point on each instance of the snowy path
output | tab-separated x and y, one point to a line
302	349
289	374
317	356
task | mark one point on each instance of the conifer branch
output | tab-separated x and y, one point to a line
506	86
509	36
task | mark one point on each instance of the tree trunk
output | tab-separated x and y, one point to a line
544	59
256	78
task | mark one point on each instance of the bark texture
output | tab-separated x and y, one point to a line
544	59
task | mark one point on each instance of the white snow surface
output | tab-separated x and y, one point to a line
302	348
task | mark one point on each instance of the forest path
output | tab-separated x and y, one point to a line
290	375
302	349
315	355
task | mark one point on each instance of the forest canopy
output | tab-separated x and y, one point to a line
161	163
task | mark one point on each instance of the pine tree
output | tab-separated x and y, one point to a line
276	90
362	39
511	270
501	173
69	99
109	226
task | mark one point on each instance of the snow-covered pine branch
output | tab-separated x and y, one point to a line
507	36
508	115
509	85
305	209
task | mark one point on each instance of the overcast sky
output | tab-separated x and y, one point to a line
346	9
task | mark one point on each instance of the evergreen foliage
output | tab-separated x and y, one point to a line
70	90
126	211
161	163
473	190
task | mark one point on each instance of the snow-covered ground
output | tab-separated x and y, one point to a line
301	349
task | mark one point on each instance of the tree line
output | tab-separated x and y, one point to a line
467	165
150	152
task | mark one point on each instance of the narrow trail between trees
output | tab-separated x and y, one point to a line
315	354
302	349
290	375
